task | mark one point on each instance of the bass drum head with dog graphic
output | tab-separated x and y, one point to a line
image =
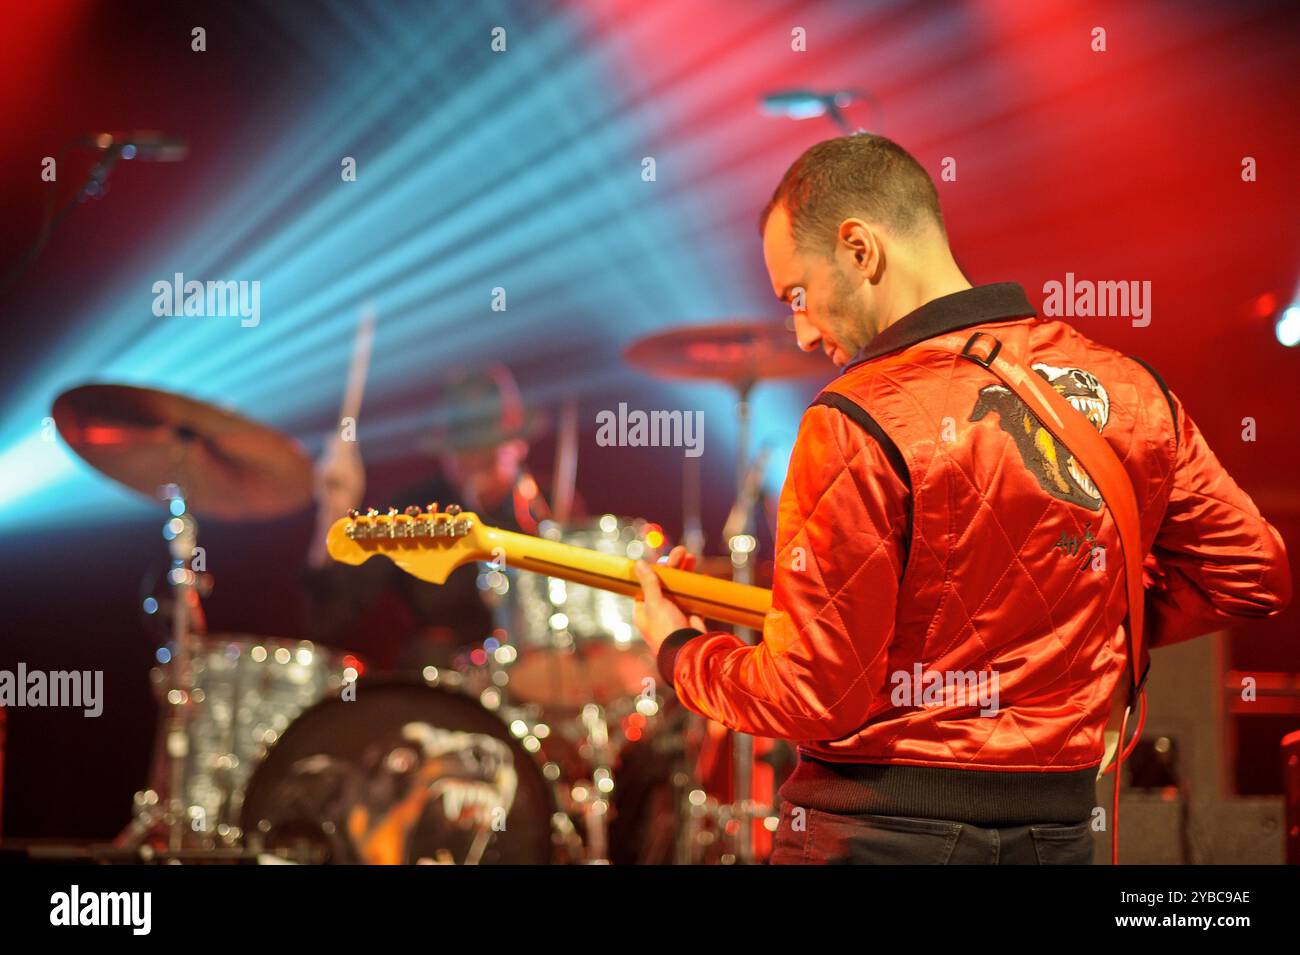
404	774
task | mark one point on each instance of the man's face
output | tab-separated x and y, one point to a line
488	472
836	296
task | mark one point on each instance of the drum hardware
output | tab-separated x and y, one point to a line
578	754
741	544
172	759
716	830
686	845
567	839
602	782
712	827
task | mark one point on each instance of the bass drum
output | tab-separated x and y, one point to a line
406	773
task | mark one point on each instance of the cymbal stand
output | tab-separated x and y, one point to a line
685	849
597	805
741	545
169	813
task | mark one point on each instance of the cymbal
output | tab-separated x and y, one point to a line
738	353
225	465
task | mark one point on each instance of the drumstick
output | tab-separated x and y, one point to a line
356	385
351	407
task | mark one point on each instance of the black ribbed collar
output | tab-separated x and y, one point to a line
972	306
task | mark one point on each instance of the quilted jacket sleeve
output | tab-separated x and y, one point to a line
1214	558
841	531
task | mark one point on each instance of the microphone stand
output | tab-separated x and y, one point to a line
94	187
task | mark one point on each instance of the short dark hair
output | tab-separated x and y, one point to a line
861	175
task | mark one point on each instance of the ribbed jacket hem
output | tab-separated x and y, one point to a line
979	797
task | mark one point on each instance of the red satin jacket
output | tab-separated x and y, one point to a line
948	597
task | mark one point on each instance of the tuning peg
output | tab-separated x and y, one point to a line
371	512
412	511
353	513
453	509
392	511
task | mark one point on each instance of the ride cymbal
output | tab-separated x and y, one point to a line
226	466
738	353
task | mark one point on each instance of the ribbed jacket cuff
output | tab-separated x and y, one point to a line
669	648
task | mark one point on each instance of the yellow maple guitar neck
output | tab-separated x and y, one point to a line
709	597
431	545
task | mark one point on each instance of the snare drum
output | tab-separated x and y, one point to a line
576	644
247	690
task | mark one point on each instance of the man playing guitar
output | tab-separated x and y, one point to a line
934	537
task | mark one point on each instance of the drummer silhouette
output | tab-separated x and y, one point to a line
480	443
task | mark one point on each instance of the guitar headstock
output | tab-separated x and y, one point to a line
427	543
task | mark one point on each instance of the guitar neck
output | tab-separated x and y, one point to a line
709	597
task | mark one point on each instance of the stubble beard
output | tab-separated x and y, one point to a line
850	324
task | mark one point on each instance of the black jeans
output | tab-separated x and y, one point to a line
812	837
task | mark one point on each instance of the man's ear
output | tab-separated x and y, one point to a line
863	246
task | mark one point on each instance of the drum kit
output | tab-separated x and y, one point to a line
552	741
